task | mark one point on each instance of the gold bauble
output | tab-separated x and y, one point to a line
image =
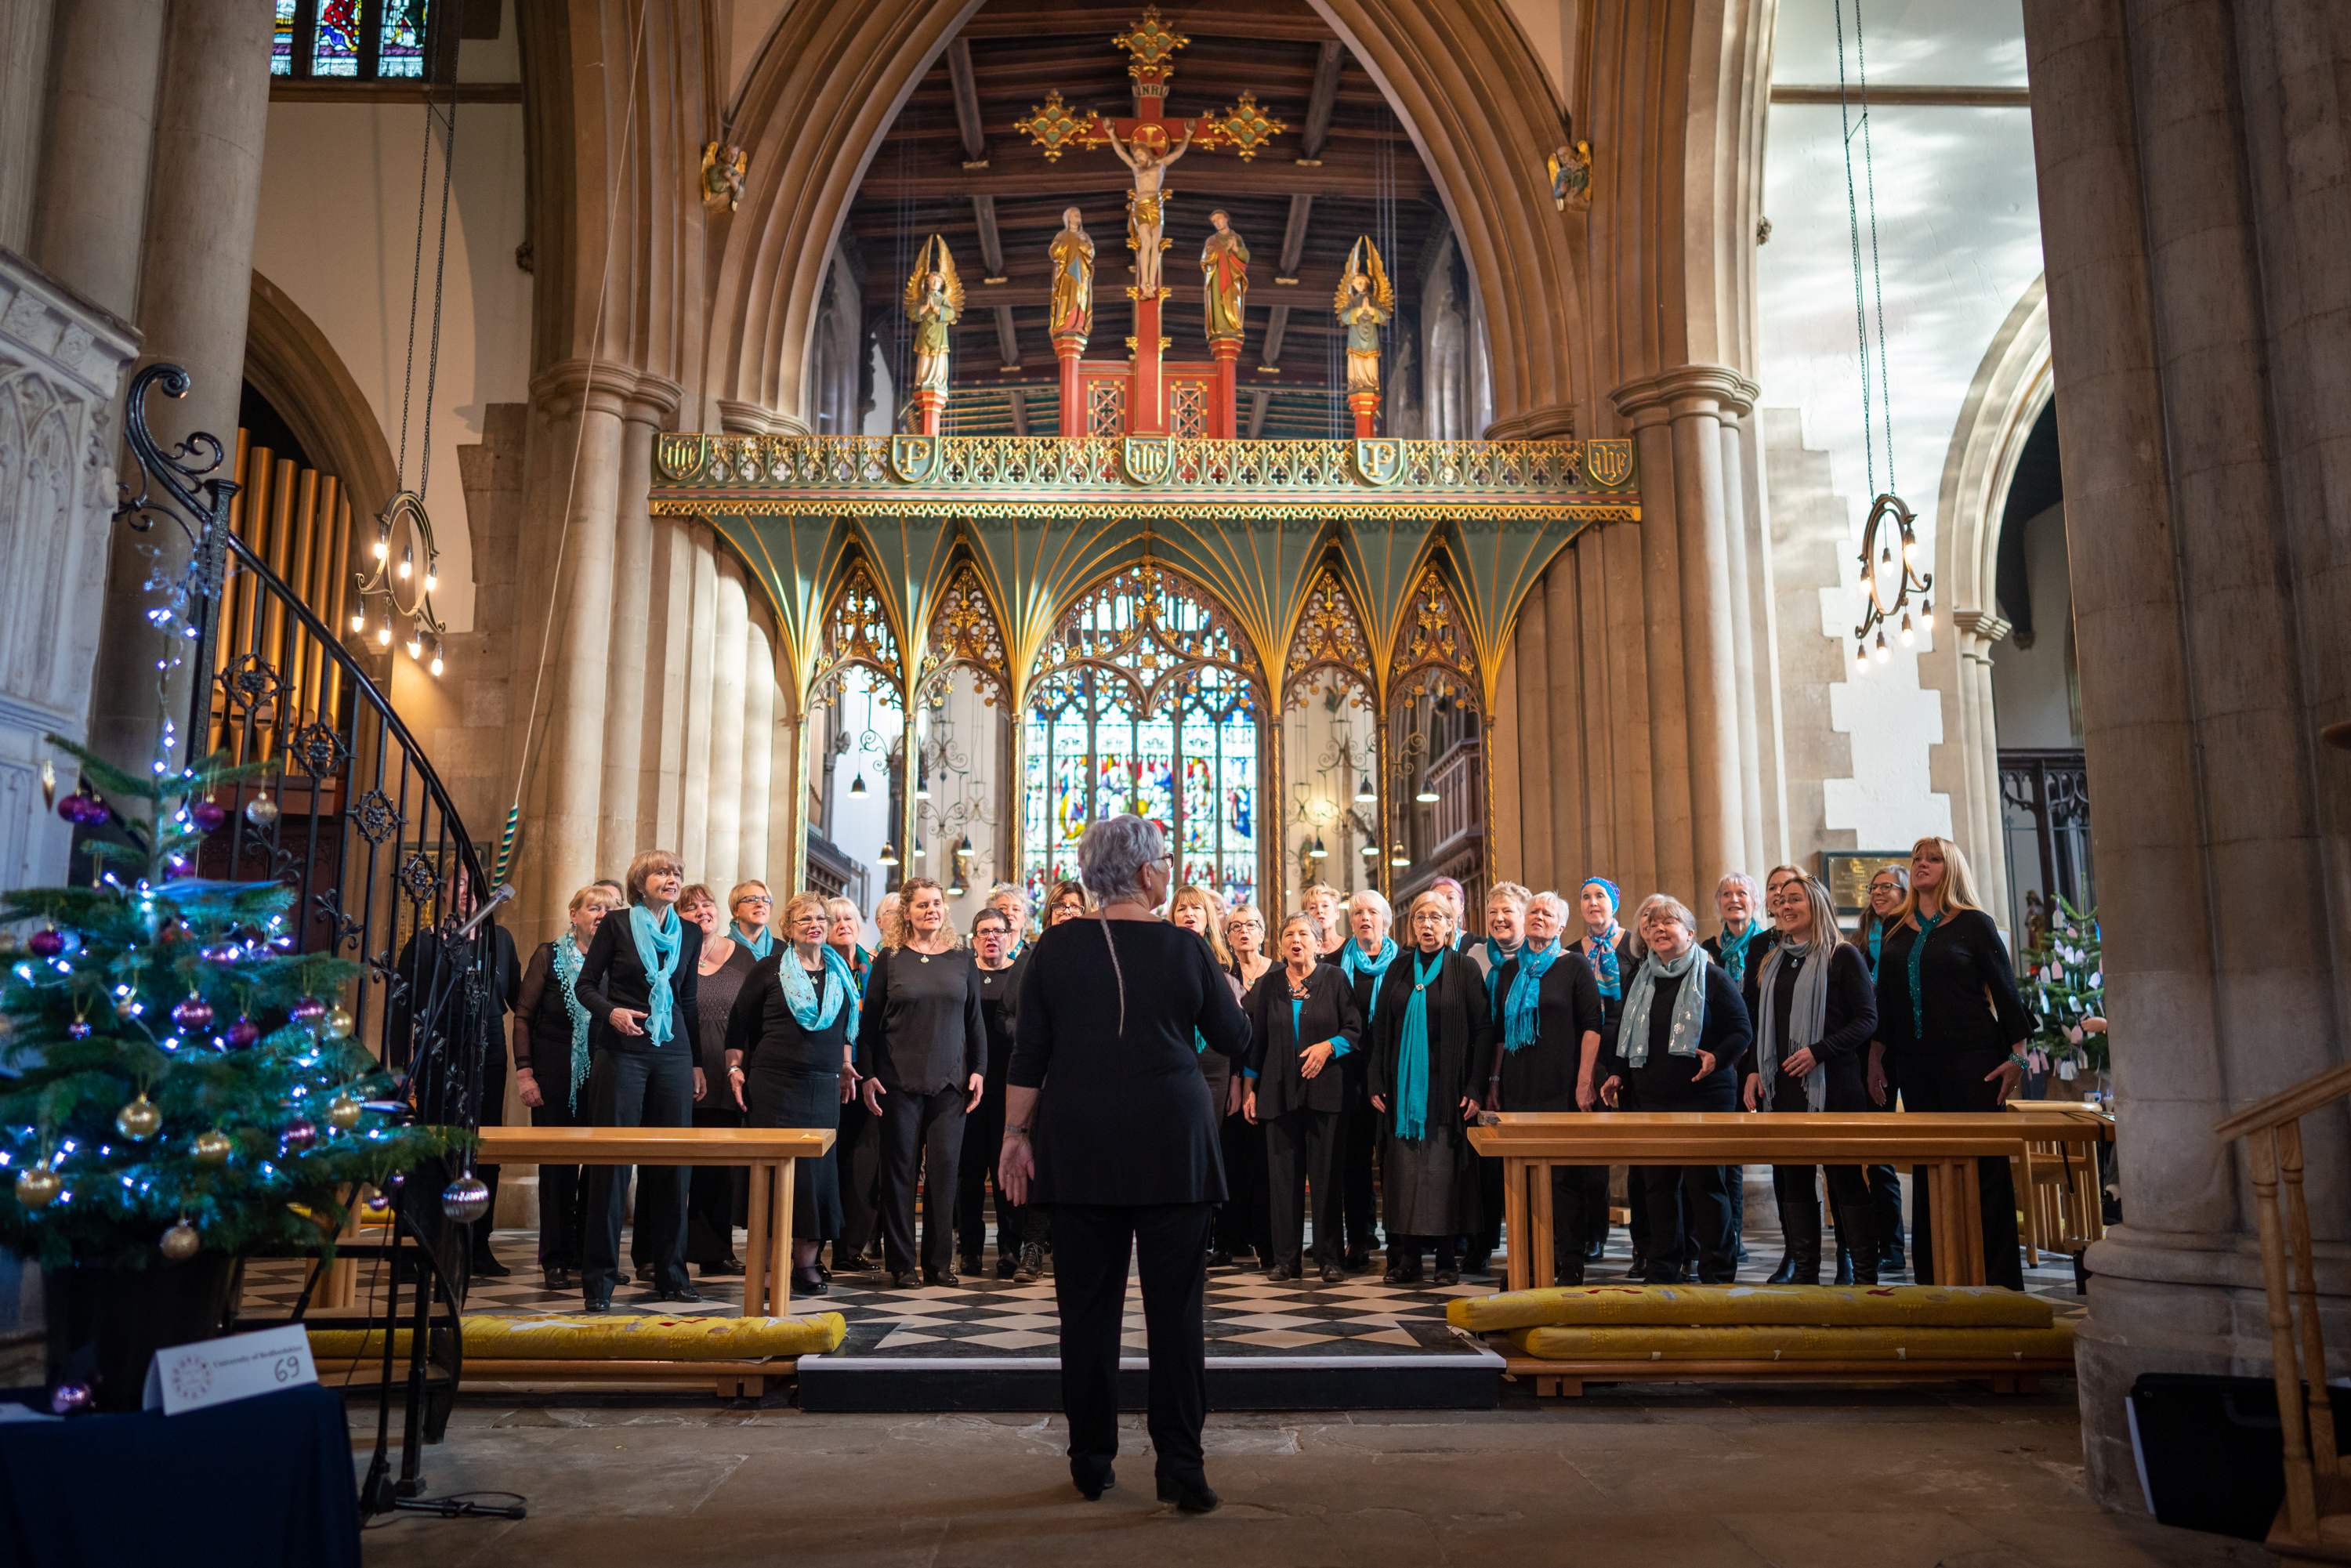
126	1007
343	1112
181	1241
212	1146
337	1025
38	1187
139	1120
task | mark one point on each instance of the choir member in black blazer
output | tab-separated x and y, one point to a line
1430	1033
1364	957
923	1045
1889	886
1954	1027
1546	1025
1109	1123
1681	1012
787	1044
550	1035
1244	1228
644	1008
993	933
1607	947
1302	1018
1815	1011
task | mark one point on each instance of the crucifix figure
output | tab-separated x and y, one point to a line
1143	207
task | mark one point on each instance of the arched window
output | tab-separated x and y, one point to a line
355	40
1144	702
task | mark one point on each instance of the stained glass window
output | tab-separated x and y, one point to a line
337	52
281	46
401	49
1145	704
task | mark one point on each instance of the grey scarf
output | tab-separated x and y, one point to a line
1808	1012
1689	1025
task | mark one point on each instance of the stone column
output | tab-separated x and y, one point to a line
701	640
1617	683
2181	225
757	860
105	57
1747	696
1976	631
650	406
723	786
560	845
1533	782
1658	621
661	799
24	79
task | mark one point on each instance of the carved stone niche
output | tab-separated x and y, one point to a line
61	366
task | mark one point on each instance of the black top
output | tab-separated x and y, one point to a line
1764	937
1124	1115
922	1031
1460	1034
999	1013
1611	1007
1541	1076
612	976
1852	1021
1328	1013
545	1022
761	1026
1663	1079
1971	1005
716	995
436	990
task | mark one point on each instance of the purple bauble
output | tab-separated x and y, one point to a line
298	1135
194	1014
78	1029
207	815
47	942
243	1033
309	1009
70	1398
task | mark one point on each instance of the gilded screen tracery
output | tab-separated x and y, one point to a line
858	635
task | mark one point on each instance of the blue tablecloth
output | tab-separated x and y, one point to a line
259	1483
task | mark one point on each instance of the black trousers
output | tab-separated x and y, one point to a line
922	1144
1301	1158
1689	1204
857	1154
1359	1144
1956	1082
562	1219
1886	1205
1245	1219
983	1141
649	1088
1579	1212
1090	1246
717	1196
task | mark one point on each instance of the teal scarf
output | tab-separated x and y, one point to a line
1734	952
1927	925
657	947
1605	964
1412	1052
1496	956
1520	1007
810	1012
762	941
1877	940
568	960
1351	960
1690	1007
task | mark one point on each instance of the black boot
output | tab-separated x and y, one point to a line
1785	1274
1857	1252
1801	1223
1844	1260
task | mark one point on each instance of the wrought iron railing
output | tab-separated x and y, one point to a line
2045	799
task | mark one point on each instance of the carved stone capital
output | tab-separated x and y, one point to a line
752	419
577	386
654	400
1979	629
1535	424
1685	390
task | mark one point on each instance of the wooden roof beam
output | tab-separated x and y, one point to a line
1020	411
1293	239
991	245
966	102
1277	321
1007	338
1259	399
1318	105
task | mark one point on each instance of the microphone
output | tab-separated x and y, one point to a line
502	894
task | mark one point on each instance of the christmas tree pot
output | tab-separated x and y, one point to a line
106	1324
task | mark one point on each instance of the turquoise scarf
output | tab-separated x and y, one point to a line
1605	964
1690	1007
1353	963
1927	925
761	943
568	960
1877	940
810	1012
1734	952
1496	956
657	947
1521	1007
1412	1052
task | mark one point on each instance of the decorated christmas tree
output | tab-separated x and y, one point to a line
174	1077
2065	986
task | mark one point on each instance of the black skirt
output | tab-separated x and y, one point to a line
803	1100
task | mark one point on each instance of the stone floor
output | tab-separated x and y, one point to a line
1655	1474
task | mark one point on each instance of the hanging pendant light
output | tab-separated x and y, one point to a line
857	790
889	855
1363	788
1371	851
1427	796
1397	857
921	786
919	851
1318	852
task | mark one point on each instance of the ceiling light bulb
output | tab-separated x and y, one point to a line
436	664
1907	635
404	571
383	635
358	621
1927	617
382	549
430	582
1882	653
1861	658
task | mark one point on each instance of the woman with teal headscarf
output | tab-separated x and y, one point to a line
1431	1034
1546	1026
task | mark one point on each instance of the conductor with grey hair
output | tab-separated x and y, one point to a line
1108	1121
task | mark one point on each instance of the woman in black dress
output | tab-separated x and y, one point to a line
1955	1029
1546	1023
1815	1012
787	1049
1681	1012
1429	1036
1244	1229
923	1047
992	935
1889	885
1109	1123
1302	1018
639	984
717	1196
550	1034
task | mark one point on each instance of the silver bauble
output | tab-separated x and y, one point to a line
465	1199
181	1241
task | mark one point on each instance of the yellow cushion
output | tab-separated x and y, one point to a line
1936	1306
611	1337
1796	1343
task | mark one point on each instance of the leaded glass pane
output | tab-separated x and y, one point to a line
281	46
337	52
400	51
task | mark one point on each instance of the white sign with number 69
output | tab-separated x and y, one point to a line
215	1371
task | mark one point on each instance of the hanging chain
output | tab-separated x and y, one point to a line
1848	96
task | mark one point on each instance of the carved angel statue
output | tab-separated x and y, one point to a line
1073	278
723	169
934	303
1224	265
1571	174
1144	204
1364	302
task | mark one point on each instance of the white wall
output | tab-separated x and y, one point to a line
337	234
2032	692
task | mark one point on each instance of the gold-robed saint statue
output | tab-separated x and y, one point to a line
934	303
1364	302
1224	266
1073	278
